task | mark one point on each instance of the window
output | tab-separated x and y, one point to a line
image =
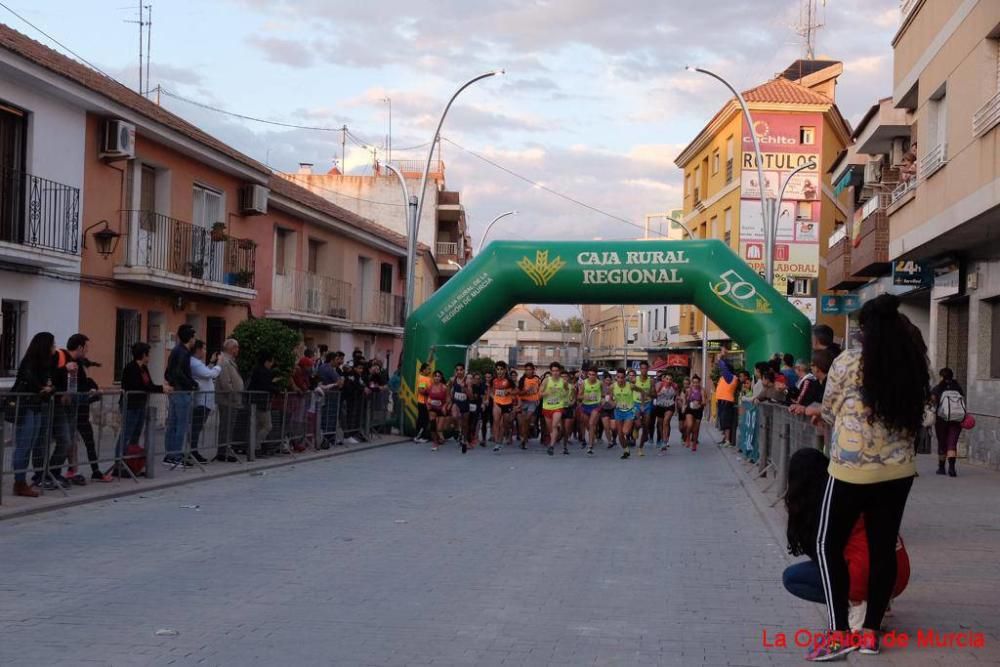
728	225
729	148
714	227
215	334
715	161
385	278
315	247
807	135
128	332
520	325
800	286
656	319
281	248
697	183
803	210
13	135
687	184
937	128
550	351
12	316
207	206
995	339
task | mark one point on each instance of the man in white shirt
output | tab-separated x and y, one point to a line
204	399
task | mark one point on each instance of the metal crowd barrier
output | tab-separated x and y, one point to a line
767	437
130	434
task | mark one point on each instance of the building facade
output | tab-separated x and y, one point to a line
944	221
520	337
797	122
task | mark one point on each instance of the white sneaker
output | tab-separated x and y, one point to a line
352	440
856	615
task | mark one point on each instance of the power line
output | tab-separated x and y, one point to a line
246	117
61	45
544	187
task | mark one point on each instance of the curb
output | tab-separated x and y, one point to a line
135	489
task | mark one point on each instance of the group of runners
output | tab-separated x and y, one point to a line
622	409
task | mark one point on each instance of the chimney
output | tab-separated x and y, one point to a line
305	168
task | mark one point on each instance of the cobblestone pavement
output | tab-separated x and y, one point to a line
401	556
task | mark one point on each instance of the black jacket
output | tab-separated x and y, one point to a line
30	380
261	380
178	373
137	384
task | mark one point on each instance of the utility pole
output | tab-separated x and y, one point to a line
343	150
143	66
149	40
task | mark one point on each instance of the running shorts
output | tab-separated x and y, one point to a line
505	409
624	415
589	409
529	407
645	409
553	414
695	412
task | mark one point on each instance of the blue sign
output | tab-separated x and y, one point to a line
850	302
908	272
831	304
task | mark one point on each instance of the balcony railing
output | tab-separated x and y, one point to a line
837	236
306	292
381	308
39	213
415	168
905	7
449	198
729	171
877	203
158	242
933	160
987	117
900	190
447	249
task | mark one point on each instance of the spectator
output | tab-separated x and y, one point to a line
875	398
137	385
949	411
760	369
302	385
321	355
68	376
772	391
229	398
262	387
822	339
725	398
806	386
807	479
821	361
330	384
33	385
353	396
86	431
357	357
788	370
204	401
178	376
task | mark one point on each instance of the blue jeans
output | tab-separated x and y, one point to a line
28	440
178	423
133	421
63	433
803	581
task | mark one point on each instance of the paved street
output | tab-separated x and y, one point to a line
399	556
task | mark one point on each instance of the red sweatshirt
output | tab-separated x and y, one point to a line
856	555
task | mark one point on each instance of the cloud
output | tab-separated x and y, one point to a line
283	51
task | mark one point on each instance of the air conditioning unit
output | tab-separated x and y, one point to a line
253	200
873	172
119	141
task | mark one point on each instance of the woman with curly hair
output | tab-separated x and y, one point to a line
874	399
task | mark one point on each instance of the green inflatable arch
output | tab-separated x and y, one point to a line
705	273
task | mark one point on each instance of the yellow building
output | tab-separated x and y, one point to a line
796	121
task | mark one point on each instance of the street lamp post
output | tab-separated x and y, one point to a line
768	208
412	249
410	202
490	226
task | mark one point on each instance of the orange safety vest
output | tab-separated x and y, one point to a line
726	391
423	382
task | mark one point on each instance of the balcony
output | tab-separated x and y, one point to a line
987	117
932	160
901	194
449	208
300	296
172	254
870	255
39	221
838	264
380	312
415	168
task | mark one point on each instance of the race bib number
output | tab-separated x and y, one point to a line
459	396
694	405
472	407
435	403
501	393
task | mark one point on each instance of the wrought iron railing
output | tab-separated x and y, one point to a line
729	171
159	242
40	213
415	168
381	308
447	248
306	292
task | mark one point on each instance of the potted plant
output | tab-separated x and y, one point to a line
244	278
196	269
219	232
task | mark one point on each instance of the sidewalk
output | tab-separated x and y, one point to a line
952	535
14	506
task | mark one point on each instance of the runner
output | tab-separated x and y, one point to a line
663	409
590	407
556	396
459	399
623	394
487	417
644	396
608	410
475	408
695	399
528	392
437	407
682	408
423	418
630	378
569	412
503	407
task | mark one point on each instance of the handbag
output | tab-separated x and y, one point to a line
969	422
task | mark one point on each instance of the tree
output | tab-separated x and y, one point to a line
260	334
542	315
574	324
482	365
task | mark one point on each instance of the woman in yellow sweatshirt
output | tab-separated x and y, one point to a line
874	399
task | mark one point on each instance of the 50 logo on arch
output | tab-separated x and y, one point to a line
737	293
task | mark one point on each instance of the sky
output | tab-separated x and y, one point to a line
595	102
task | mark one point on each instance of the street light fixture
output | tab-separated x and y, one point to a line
412	245
490	226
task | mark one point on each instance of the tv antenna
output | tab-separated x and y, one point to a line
809	25
145	23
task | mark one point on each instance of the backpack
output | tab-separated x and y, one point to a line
951	406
